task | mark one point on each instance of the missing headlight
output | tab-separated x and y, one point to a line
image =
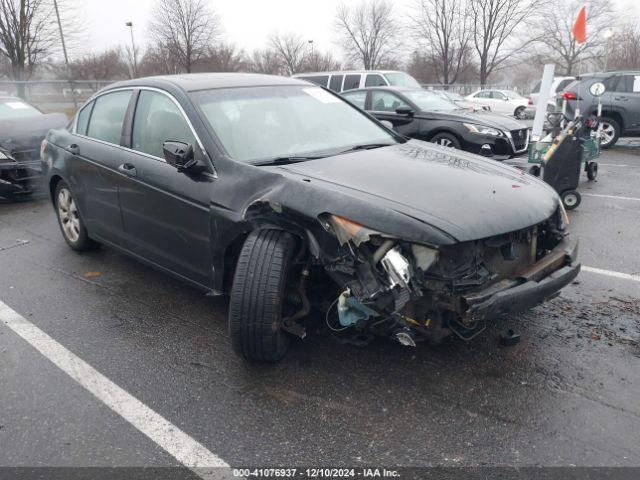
397	267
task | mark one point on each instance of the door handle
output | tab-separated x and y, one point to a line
618	99
128	169
73	149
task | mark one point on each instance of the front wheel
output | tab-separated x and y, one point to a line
446	140
571	199
258	295
592	170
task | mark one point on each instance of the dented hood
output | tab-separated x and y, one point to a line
464	195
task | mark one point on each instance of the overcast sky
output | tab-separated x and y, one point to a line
246	23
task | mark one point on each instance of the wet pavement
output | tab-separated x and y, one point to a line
567	394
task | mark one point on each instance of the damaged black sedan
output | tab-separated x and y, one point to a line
22	129
287	197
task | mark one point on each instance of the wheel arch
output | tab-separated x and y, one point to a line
614	116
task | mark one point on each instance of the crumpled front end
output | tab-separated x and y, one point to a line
20	172
416	292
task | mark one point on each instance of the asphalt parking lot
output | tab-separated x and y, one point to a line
567	394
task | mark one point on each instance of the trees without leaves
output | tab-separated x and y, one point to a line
186	27
368	32
556	32
291	49
444	27
493	31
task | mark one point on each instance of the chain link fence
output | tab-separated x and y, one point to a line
468	88
53	95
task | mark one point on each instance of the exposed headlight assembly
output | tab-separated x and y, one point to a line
563	218
483	130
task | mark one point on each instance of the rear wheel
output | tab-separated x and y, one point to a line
446	140
258	296
610	132
70	220
520	113
592	170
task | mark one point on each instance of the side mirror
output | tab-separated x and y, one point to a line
404	110
179	154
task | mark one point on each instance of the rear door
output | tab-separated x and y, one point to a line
626	100
165	212
96	152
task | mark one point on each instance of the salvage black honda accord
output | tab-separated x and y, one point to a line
288	197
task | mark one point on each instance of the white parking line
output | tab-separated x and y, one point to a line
616	197
609	273
174	441
613	165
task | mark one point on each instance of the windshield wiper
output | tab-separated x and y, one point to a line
366	146
286	160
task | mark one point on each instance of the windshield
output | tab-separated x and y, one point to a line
401	79
428	101
263	123
15	108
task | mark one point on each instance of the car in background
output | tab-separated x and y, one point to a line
620	102
288	197
459	100
557	86
22	129
501	101
352	79
424	115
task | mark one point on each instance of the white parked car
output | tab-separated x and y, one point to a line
352	79
501	101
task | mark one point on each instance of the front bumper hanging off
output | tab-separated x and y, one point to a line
541	282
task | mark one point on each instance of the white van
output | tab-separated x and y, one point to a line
352	79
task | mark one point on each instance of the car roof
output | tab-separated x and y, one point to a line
207	81
345	72
390	88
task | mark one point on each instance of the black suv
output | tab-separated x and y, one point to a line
620	102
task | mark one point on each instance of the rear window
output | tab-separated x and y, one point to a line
562	84
321	80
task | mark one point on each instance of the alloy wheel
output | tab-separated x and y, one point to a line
445	142
68	214
608	133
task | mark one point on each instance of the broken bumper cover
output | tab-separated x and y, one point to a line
539	283
19	177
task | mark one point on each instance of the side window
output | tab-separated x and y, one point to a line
357	98
385	102
156	121
351	82
629	84
83	119
335	83
610	84
483	94
498	95
375	80
108	116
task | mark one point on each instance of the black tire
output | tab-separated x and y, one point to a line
257	295
76	236
446	140
520	113
592	170
571	199
611	140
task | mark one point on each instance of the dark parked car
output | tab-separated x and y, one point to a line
424	115
286	196
620	103
22	129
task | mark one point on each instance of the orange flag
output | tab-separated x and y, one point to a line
580	27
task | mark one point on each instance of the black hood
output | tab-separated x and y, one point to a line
479	117
27	133
464	195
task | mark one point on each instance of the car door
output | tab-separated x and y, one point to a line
166	212
95	153
500	102
383	106
482	98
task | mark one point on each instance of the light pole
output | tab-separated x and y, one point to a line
133	50
66	57
608	33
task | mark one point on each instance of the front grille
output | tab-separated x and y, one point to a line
520	138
